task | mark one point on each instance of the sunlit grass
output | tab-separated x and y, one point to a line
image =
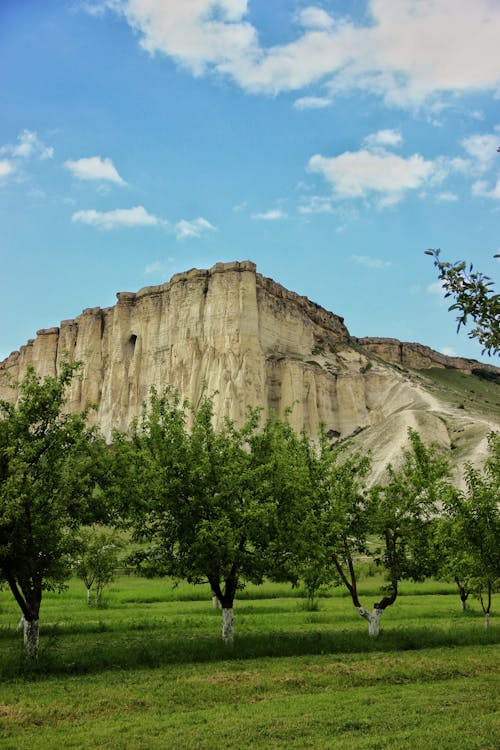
149	670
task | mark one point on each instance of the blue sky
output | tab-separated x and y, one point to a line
329	142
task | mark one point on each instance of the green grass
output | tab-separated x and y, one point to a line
149	671
469	392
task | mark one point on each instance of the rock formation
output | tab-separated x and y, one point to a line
253	342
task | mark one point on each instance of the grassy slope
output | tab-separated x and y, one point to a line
293	678
474	394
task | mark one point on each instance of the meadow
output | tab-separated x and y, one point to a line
148	670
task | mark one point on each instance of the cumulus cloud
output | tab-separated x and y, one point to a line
312	102
482	148
482	189
185	229
273	214
314	18
119	218
406	51
369	262
381	174
95	168
28	145
383	138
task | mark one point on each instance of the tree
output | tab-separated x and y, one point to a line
474	297
472	523
48	465
205	499
452	561
332	516
398	514
96	560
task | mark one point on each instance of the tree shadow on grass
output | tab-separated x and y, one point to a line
144	650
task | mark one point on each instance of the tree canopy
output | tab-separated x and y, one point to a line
475	298
48	465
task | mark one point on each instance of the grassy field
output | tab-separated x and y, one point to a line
149	671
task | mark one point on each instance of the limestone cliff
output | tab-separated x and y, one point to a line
254	343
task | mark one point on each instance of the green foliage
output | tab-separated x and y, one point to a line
96	558
399	513
474	297
469	535
404	508
48	466
211	503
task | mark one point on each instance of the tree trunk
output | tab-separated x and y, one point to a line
373	619
31	638
215	601
89	597
487	620
227	624
463	593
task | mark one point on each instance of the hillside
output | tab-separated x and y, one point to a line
252	342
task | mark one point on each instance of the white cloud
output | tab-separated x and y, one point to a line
195	228
95	168
369	262
361	174
28	145
274	214
312	102
407	51
314	18
316	204
482	189
482	149
383	138
6	168
120	218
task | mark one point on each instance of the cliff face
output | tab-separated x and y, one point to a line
239	333
417	356
254	343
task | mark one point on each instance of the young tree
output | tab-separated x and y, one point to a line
96	560
48	466
472	550
474	297
398	513
452	560
207	500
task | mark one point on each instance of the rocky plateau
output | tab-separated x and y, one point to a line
252	342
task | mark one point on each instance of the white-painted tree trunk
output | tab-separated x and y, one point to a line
227	625
31	637
215	601
487	620
88	596
20	625
464	607
373	618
